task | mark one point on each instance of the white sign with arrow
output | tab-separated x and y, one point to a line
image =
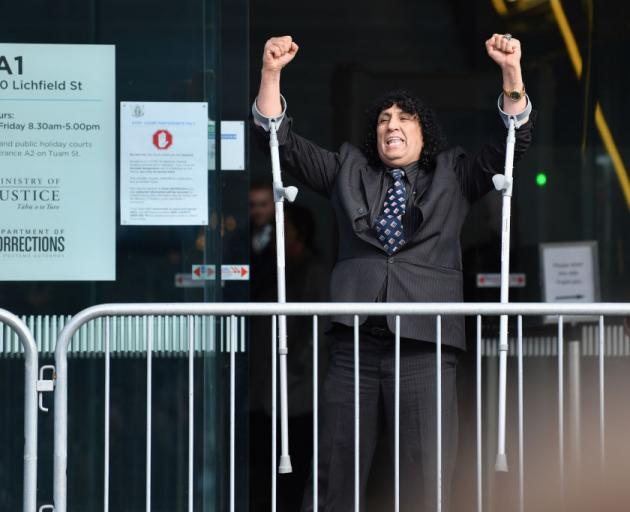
570	272
228	272
493	280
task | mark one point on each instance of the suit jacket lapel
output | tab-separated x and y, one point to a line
422	187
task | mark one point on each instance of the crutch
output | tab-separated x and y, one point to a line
503	183
280	193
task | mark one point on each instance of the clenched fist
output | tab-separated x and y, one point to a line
278	52
505	51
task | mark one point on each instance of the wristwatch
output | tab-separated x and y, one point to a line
515	95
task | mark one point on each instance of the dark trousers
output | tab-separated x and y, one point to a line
418	433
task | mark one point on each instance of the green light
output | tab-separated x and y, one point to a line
541	179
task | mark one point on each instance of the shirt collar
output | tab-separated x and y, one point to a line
411	171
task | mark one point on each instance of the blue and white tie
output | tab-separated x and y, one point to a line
388	225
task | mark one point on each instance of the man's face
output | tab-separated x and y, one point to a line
261	206
398	137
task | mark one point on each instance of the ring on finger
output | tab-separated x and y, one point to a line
507	36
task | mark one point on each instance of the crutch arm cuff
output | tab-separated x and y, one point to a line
263	121
519	119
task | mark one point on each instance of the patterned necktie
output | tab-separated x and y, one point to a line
388	225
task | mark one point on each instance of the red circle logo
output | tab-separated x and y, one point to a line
162	139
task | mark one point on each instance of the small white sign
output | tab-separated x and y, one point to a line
203	273
228	273
163	164
493	280
183	280
232	145
235	272
570	272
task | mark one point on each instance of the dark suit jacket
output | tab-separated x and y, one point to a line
429	267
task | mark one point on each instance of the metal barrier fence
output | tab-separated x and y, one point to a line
31	388
235	313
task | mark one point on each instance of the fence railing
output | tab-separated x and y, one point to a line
127	337
235	314
25	337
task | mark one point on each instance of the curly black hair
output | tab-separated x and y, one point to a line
433	138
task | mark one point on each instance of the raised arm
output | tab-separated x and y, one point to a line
305	160
278	52
506	52
475	172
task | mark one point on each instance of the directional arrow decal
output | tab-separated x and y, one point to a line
203	272
493	280
228	272
235	272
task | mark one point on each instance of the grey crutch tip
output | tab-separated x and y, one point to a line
285	464
501	464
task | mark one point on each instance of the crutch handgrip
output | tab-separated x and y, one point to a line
281	193
502	183
290	193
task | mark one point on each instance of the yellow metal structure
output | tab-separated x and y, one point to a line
577	63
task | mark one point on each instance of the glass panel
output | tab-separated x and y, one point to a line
165	51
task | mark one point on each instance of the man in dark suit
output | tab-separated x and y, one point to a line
400	204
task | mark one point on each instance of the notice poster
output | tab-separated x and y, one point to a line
163	164
232	145
570	271
57	162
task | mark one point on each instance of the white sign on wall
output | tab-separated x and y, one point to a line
57	162
232	145
570	272
163	164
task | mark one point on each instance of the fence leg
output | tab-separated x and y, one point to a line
479	410
356	415
315	414
574	410
30	407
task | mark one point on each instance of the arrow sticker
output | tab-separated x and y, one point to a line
228	272
188	281
493	280
235	272
203	272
